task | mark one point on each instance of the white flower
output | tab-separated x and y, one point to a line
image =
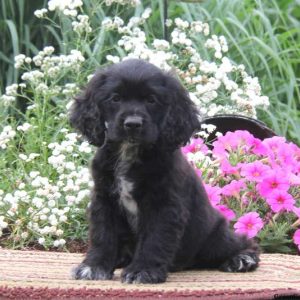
83	25
40	13
24	235
33	76
123	2
62	5
3	224
59	232
24	127
7	100
208	127
207	67
48	50
114	59
11	90
51	203
63	218
43	217
19	60
161	44
62	242
181	23
56	243
85	147
38	202
147	12
23	156
70	12
41	241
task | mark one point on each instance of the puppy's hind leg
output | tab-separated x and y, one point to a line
228	251
244	261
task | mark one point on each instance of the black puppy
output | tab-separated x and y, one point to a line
149	211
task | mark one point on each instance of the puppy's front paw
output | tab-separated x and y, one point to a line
155	275
83	271
243	262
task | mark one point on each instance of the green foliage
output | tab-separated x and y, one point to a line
21	32
274	238
265	36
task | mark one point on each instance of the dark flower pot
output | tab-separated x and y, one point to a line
225	123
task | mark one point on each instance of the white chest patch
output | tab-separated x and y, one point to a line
126	199
128	155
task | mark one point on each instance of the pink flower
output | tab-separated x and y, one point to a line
233	188
198	172
274	143
213	193
296	238
249	224
274	181
294	179
194	146
254	171
227	168
226	212
280	200
231	141
286	157
296	210
258	147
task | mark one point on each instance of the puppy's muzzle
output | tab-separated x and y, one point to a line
133	124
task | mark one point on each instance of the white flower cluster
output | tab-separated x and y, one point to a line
11	92
207	129
113	59
41	13
67	7
212	84
70	89
33	77
123	2
3	224
217	43
49	67
83	25
50	204
6	135
111	24
20	60
53	65
28	158
59	159
133	41
199	27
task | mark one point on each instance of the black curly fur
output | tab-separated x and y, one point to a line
149	212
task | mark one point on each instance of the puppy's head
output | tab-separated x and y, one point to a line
135	102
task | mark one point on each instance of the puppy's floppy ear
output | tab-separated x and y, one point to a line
85	115
182	117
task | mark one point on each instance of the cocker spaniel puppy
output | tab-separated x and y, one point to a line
149	212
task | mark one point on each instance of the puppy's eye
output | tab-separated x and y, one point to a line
151	99
115	98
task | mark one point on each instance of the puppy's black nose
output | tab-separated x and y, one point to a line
133	123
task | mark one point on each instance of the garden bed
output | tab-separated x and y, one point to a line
46	275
